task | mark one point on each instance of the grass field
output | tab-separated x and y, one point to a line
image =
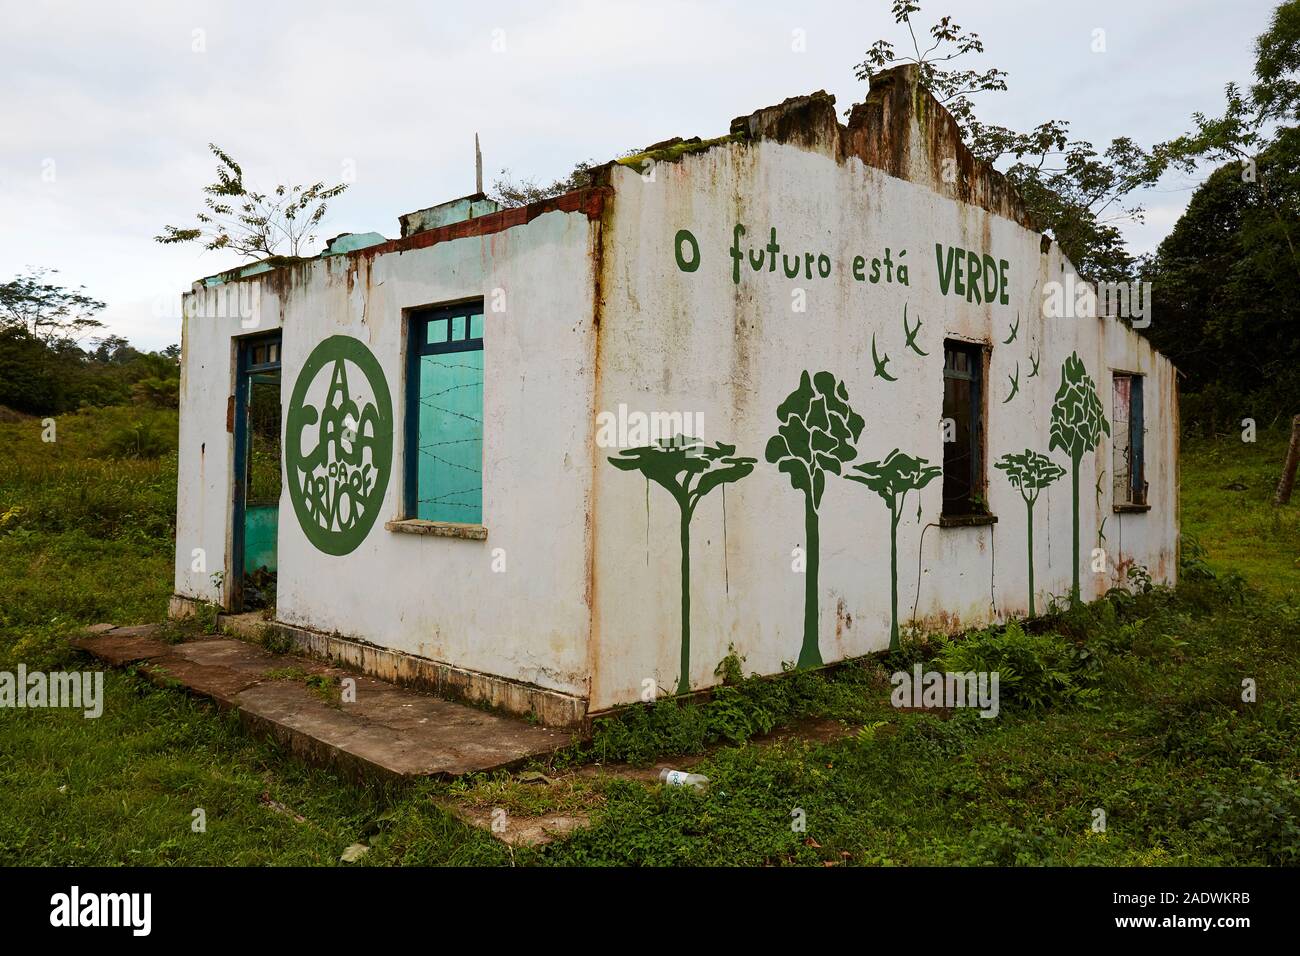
1227	489
1132	707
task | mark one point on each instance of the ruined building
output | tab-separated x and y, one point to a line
784	392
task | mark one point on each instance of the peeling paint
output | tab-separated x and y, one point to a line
599	314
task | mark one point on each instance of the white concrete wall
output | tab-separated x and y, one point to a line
431	596
589	602
204	503
699	342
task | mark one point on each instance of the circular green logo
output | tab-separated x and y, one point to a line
338	450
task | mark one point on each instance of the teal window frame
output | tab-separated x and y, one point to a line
436	330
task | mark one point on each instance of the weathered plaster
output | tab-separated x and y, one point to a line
598	314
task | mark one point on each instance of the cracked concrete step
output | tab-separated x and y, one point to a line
389	731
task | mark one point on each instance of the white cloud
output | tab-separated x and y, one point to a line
122	104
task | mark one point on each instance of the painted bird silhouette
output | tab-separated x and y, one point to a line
880	363
1015	330
1034	362
911	334
1015	383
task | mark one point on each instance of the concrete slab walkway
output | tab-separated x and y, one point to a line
388	731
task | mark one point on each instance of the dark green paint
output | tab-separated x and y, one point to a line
1030	472
910	334
978	278
336	492
880	363
1078	422
685	236
687	470
892	479
816	435
765	256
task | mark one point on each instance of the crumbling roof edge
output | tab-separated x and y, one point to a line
900	129
589	200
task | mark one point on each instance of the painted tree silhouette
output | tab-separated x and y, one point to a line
688	470
1078	421
892	479
816	435
1031	472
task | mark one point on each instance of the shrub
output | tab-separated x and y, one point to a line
740	708
1257	822
137	440
914	647
1035	671
1192	564
157	392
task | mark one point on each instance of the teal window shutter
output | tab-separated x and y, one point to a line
444	435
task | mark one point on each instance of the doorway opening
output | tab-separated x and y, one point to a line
258	474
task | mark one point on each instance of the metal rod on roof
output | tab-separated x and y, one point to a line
478	167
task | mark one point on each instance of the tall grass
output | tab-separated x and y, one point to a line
1187	770
85	536
89	479
1227	506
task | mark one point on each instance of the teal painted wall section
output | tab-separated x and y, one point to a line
260	523
451	437
351	241
444	214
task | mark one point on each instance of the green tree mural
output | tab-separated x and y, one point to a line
1078	421
816	435
1031	472
892	479
688	470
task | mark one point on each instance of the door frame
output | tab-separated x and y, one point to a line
245	369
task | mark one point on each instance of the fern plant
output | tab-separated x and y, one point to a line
1035	671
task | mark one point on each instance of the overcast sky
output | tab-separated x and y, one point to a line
106	109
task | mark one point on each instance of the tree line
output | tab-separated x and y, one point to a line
46	369
1226	280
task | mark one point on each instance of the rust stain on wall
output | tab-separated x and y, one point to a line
589	201
843	619
600	282
940	622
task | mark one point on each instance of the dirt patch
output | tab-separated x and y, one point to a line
520	830
576	796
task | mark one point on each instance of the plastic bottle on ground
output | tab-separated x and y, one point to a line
680	778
